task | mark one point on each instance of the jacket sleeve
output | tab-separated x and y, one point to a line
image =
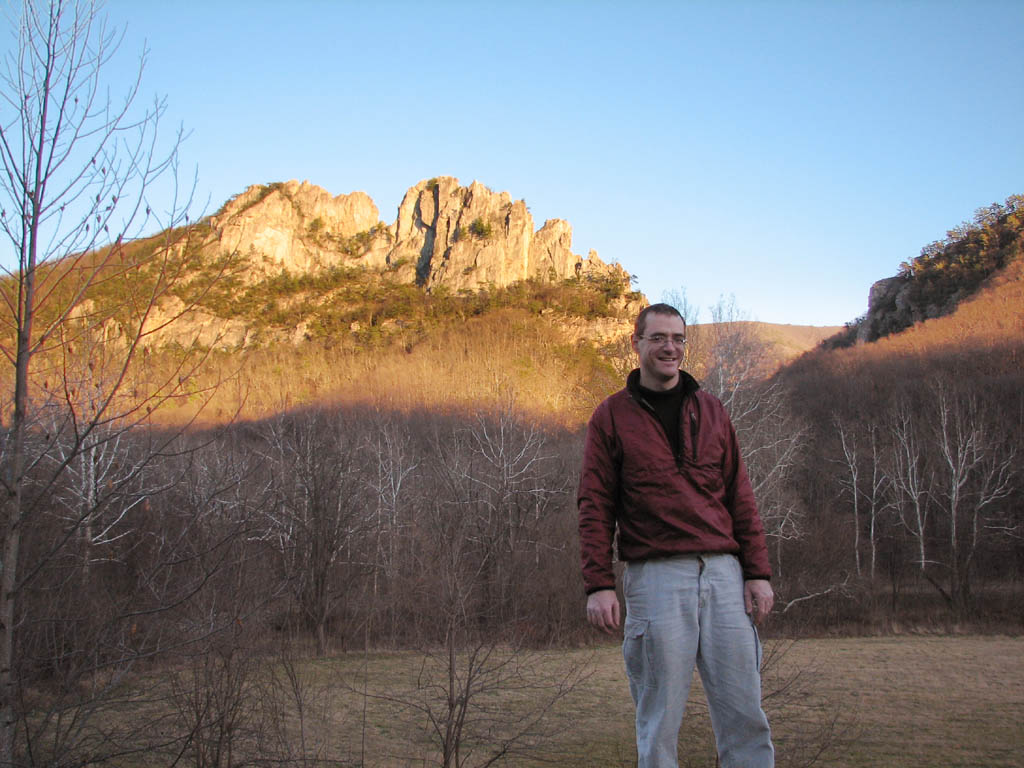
746	521
596	499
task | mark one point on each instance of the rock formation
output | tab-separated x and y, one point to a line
293	226
891	308
445	235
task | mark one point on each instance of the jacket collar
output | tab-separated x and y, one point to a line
689	384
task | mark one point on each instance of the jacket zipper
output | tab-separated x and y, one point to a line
693	434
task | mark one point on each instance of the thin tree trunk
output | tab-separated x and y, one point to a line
13	508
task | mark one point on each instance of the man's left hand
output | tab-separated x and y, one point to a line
758	599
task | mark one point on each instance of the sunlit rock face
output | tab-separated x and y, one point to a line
471	237
445	235
298	227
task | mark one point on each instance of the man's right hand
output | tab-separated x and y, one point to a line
603	610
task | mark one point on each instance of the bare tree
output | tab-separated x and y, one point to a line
912	477
516	481
393	465
82	631
772	439
858	460
875	495
848	442
977	472
728	358
214	702
481	693
316	515
676	297
82	299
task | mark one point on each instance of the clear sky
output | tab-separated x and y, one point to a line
787	153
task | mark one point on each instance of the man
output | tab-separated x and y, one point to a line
662	464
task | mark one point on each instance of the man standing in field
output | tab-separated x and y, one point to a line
662	464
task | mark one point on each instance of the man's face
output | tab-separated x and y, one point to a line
659	363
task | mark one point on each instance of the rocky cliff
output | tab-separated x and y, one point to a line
894	307
445	235
889	310
292	226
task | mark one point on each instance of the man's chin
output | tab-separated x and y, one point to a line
667	374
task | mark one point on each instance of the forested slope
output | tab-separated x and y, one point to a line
914	474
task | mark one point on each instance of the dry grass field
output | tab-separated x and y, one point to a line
917	701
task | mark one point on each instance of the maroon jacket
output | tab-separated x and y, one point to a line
664	505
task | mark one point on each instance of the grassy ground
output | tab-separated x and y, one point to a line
924	701
913	702
908	701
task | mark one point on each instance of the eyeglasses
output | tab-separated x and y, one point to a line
658	339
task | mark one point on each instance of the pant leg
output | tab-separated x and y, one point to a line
660	649
729	659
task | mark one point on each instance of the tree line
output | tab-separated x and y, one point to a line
913	480
327	530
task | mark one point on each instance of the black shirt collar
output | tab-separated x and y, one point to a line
687	384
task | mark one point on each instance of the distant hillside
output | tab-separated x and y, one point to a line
911	469
784	343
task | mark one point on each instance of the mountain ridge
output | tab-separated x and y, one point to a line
289	262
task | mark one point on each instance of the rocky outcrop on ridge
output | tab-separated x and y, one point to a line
891	308
888	309
468	237
296	227
445	235
945	274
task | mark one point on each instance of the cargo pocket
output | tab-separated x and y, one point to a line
636	652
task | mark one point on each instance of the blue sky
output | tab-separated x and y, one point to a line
787	153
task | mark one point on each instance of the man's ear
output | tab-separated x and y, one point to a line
633	340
